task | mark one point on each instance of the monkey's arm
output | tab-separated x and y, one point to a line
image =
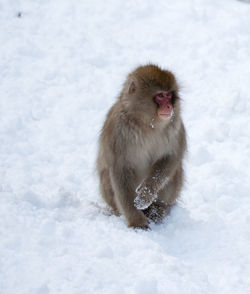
161	171
123	179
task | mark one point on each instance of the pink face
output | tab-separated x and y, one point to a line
165	107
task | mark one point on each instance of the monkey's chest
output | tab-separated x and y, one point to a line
145	153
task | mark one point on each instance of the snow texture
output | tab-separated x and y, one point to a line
145	197
152	123
62	65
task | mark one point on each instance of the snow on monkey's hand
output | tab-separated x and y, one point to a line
145	196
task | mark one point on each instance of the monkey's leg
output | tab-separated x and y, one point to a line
107	191
123	181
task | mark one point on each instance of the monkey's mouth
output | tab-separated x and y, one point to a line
165	115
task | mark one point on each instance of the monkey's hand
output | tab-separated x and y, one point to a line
145	196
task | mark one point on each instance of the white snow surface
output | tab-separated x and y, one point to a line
62	65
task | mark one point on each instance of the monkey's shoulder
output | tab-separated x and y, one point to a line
121	123
117	130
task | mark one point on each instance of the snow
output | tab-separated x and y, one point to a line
145	197
62	65
152	123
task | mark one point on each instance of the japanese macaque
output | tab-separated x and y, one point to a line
141	148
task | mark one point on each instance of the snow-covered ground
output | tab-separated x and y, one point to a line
62	63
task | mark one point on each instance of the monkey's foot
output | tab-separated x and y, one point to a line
145	197
145	228
157	211
138	221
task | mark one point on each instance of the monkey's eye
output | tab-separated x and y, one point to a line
160	95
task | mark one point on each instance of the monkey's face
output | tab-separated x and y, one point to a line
164	101
154	102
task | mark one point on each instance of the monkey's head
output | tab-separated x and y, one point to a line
152	93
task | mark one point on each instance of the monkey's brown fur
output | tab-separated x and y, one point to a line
140	155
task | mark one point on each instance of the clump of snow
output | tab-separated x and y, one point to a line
62	65
152	123
172	115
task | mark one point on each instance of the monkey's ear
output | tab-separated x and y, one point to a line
132	87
